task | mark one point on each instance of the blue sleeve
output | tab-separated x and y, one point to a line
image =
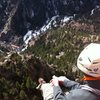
71	84
58	93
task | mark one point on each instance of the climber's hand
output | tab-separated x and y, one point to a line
54	82
60	79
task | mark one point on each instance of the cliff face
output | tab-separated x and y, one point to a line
8	35
32	14
17	17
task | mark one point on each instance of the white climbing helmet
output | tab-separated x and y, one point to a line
89	60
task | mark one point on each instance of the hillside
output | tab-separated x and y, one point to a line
19	76
54	52
19	17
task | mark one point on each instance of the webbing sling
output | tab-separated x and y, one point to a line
93	90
